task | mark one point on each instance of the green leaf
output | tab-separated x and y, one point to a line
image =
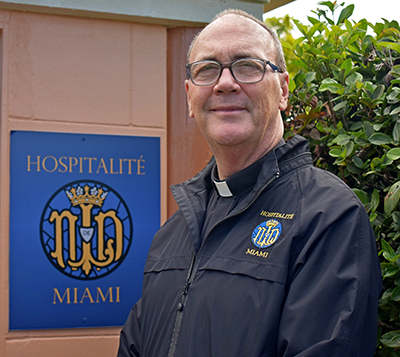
292	86
345	14
392	198
375	199
396	132
310	76
358	162
314	28
287	45
348	149
329	4
368	128
380	139
395	294
312	20
376	163
391	32
299	40
391	339
395	111
395	71
389	270
336	152
362	195
378	92
347	66
331	85
342	139
353	79
388	251
393	154
357	125
301	27
340	106
392	45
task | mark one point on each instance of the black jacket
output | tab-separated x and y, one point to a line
291	270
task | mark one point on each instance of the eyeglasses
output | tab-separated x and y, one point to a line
249	70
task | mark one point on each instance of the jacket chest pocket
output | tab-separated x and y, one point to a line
250	268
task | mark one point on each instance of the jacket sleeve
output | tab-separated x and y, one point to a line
335	283
130	334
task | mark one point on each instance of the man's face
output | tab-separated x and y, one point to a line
233	114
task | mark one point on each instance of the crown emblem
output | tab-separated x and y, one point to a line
86	195
272	223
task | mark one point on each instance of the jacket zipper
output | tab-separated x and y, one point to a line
191	274
181	305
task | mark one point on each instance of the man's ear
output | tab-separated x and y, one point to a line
188	98
284	78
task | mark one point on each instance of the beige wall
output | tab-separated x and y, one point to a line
76	75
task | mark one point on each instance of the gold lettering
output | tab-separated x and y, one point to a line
274	236
34	163
277	215
63	164
111	167
55	164
71	165
120	166
58	253
90	162
87	294
130	165
264	242
100	218
75	295
100	293
139	167
61	299
110	296
103	166
258	234
257	253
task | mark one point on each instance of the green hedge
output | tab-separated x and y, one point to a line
345	99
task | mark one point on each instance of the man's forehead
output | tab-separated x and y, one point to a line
232	20
238	33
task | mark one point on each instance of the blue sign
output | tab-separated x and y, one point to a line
83	211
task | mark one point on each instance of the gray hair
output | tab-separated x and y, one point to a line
280	58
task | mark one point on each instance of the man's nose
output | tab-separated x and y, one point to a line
227	83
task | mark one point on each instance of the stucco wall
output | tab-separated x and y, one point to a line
75	75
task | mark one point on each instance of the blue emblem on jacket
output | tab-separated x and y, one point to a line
266	233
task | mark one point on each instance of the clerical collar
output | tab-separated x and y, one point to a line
223	188
239	182
242	181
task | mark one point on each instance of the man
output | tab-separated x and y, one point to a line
267	255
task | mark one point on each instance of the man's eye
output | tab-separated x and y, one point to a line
207	67
248	64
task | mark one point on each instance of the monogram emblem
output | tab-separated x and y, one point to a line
266	233
86	230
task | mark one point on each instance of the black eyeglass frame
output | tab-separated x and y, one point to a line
229	65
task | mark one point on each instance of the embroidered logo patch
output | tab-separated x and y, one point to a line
266	233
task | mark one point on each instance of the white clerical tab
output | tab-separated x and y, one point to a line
223	189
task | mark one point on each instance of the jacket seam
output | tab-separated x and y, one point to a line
360	282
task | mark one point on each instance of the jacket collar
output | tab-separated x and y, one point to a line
285	157
246	179
192	195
